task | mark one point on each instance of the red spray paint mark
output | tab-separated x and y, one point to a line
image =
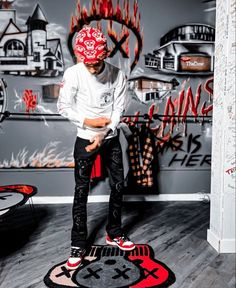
231	170
30	100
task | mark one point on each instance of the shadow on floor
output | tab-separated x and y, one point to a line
17	227
139	212
96	228
135	212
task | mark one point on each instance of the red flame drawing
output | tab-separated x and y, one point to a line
5	4
106	10
30	100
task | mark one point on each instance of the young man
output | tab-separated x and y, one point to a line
92	96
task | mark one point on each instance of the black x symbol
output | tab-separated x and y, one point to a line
92	273
64	272
4	197
118	46
121	273
150	273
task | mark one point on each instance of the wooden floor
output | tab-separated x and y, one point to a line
177	232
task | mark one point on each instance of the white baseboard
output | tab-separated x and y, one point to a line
213	240
228	246
127	198
221	245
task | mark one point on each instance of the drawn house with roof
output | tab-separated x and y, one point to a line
152	87
29	52
187	49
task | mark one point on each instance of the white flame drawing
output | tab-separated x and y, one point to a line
45	158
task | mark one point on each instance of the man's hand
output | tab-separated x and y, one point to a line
97	122
96	141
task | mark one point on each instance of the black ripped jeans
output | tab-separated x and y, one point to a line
111	155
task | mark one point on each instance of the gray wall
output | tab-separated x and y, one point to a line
22	140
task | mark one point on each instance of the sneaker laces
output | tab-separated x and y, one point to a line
77	252
124	238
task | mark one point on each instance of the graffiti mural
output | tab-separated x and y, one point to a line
177	108
168	62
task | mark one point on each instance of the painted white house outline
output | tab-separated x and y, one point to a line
30	52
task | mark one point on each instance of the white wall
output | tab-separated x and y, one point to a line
221	234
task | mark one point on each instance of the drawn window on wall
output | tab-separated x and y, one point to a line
36	56
49	64
59	55
14	48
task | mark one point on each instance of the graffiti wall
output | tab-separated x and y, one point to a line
167	56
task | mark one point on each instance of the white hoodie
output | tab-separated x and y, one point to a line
84	95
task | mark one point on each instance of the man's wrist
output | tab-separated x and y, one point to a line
87	122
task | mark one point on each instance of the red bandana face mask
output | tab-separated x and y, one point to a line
90	45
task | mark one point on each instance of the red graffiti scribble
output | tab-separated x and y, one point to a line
230	170
176	111
207	86
30	100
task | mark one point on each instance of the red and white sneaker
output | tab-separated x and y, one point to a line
123	242
75	259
